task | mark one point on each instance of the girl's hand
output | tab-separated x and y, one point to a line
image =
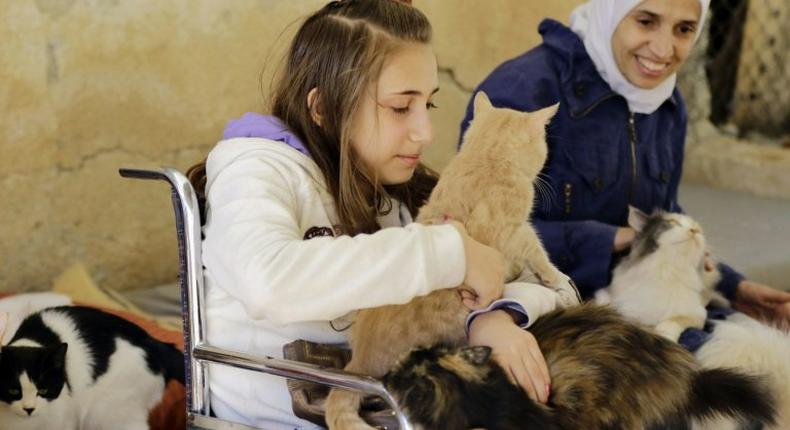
485	272
763	302
515	349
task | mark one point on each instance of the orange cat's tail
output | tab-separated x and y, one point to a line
342	411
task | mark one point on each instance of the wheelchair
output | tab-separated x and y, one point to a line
198	353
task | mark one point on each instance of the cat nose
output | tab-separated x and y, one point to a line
29	410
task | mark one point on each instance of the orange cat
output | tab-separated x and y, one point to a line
488	187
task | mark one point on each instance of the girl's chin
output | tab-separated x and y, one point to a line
397	179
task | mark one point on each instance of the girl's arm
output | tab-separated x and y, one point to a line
524	301
254	250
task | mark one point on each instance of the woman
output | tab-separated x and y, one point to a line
618	138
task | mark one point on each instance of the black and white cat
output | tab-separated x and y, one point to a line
662	283
78	368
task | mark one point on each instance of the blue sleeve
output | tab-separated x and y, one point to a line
693	338
730	279
580	249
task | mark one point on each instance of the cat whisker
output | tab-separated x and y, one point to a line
546	199
545	190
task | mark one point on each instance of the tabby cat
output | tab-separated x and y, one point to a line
74	368
606	373
494	208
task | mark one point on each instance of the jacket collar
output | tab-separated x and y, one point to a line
581	84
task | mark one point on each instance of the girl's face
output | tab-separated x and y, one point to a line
392	123
654	39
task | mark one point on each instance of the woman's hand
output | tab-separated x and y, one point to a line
623	238
515	349
763	302
485	271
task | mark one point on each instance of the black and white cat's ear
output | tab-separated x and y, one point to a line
482	103
476	354
57	354
636	218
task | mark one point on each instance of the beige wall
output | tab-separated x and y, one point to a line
87	86
472	37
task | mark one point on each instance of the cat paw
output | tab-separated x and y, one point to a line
567	292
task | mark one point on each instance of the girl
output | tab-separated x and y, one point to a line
307	221
618	138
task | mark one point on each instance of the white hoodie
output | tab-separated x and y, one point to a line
267	286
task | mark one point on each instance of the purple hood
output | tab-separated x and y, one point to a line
252	124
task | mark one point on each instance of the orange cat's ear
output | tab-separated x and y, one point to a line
482	103
546	114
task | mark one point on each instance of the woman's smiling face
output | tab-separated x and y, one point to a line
654	39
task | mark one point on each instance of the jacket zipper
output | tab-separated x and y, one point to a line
568	191
632	133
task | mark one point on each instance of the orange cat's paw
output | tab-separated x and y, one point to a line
567	291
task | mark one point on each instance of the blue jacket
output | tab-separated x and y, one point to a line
601	157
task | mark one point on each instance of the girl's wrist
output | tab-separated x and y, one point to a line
486	318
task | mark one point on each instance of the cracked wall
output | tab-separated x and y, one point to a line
88	86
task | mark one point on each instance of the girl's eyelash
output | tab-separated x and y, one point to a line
405	109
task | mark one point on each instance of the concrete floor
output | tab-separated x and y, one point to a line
750	233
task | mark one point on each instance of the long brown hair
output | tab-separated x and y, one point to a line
340	50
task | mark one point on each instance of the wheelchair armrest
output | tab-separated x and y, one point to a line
292	369
302	371
157	174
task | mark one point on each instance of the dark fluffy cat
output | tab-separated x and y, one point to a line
76	367
606	374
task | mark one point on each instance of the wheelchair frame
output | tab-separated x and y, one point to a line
198	353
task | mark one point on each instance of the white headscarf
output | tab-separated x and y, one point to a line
594	22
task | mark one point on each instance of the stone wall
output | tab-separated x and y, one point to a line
762	91
718	159
87	86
